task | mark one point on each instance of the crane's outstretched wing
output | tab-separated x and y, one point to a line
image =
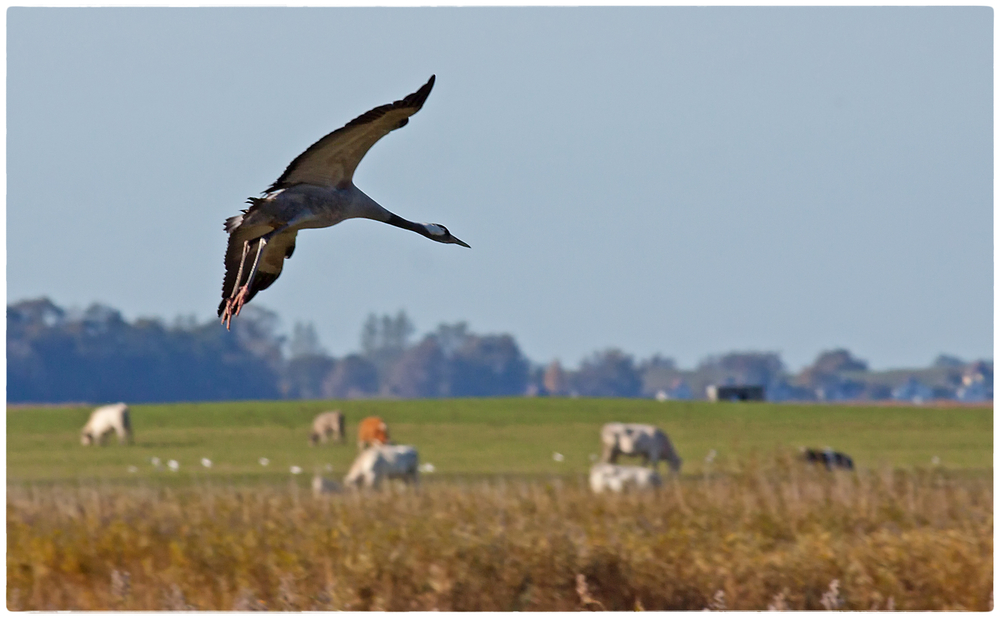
332	160
272	259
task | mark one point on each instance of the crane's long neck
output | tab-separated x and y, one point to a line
370	209
398	221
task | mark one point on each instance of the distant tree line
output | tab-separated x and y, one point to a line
97	356
94	355
449	362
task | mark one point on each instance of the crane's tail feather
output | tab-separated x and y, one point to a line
233	222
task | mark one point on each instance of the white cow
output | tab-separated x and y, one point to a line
327	425
637	440
383	462
618	478
103	421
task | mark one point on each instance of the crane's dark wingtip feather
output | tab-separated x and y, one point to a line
417	98
413	101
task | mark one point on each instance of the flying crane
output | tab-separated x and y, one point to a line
316	190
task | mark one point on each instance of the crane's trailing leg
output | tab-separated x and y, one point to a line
239	272
227	312
235	302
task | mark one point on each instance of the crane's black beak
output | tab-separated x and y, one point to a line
434	231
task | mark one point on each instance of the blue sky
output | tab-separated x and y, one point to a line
687	181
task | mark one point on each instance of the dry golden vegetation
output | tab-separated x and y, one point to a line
777	535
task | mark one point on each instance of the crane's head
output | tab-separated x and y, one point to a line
440	233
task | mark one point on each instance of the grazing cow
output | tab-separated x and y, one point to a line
618	478
372	431
327	425
321	486
383	462
103	421
636	440
828	457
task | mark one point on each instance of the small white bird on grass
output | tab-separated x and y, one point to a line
173	465
205	461
264	461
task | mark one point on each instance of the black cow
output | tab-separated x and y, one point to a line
829	458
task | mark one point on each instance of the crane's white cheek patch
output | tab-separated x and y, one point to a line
434	230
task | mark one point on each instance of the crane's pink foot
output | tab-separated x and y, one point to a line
227	314
234	305
240	299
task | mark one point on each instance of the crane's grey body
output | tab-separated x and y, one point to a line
306	206
316	190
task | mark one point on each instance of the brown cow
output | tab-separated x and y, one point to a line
372	431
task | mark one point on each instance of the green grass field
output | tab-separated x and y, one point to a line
476	437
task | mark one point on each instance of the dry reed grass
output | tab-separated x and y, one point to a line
774	537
